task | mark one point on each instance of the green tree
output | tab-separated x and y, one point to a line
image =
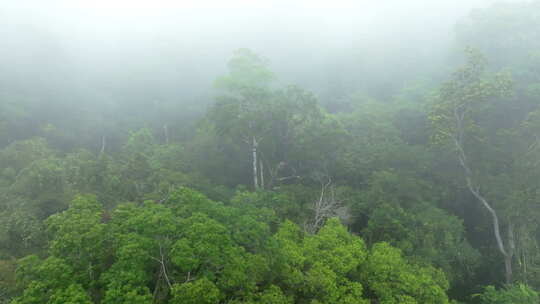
245	110
512	294
403	211
455	118
392	280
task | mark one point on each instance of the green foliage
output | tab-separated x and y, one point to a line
79	236
194	250
20	154
126	293
402	211
74	294
283	126
200	291
515	294
393	280
247	70
336	247
318	276
373	144
7	280
465	95
142	199
272	295
44	280
475	112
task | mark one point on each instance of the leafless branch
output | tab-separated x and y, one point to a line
161	261
324	207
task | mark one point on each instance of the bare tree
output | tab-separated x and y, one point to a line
325	207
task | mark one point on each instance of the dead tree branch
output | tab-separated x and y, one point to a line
324	207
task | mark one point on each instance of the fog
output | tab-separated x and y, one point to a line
174	49
149	155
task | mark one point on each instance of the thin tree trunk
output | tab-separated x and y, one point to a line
262	175
254	153
495	218
508	269
103	144
510	254
166	133
475	191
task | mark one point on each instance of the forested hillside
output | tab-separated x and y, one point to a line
418	188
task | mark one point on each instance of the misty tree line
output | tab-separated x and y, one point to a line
430	195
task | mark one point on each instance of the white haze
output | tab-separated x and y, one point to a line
107	45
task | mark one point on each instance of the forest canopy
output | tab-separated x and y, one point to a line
376	183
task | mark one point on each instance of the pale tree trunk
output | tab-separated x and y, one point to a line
254	145
507	253
262	175
166	133
510	254
103	144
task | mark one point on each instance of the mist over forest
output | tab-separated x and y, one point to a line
270	152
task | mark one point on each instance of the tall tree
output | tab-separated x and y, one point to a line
243	109
456	116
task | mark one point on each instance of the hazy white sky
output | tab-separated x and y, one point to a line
297	25
299	35
239	23
152	12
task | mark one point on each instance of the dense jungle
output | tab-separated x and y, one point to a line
270	153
